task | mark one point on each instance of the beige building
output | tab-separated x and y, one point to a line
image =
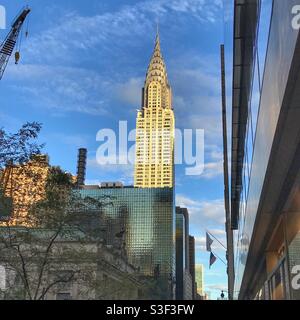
154	162
24	185
199	271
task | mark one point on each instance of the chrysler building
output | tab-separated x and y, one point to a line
155	128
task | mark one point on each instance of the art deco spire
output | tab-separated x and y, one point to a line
157	68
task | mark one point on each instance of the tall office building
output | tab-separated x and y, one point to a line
199	270
184	279
264	40
192	263
155	124
180	253
140	221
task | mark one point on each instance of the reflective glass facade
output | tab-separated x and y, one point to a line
192	263
180	254
146	217
264	254
185	277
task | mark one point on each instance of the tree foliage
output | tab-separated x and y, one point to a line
17	148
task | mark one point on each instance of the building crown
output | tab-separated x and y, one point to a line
157	68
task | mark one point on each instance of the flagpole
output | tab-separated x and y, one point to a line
220	259
217	240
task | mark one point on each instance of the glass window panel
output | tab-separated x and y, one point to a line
255	100
263	33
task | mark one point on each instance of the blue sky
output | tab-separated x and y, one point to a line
82	69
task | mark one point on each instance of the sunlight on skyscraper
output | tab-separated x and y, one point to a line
155	128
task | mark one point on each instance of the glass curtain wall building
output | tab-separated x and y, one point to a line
192	264
263	89
180	254
143	220
184	277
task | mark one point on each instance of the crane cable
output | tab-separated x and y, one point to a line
18	47
27	27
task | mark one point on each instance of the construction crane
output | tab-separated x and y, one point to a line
8	45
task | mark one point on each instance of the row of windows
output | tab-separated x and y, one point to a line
145	147
160	165
154	174
253	109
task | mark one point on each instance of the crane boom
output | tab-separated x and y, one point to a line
7	46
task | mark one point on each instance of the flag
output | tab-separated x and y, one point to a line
209	242
212	259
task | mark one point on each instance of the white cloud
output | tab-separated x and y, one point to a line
123	173
185	202
130	91
215	152
203	212
102	39
61	89
212	170
214	210
200	243
217	287
210	273
195	80
74	140
210	122
75	31
218	232
214	167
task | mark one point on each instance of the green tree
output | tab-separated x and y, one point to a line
18	148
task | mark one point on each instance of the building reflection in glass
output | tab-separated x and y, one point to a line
143	219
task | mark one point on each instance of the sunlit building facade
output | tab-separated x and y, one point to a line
199	275
23	186
155	127
264	87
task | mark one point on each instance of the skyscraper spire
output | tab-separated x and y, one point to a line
157	41
157	68
154	167
157	50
